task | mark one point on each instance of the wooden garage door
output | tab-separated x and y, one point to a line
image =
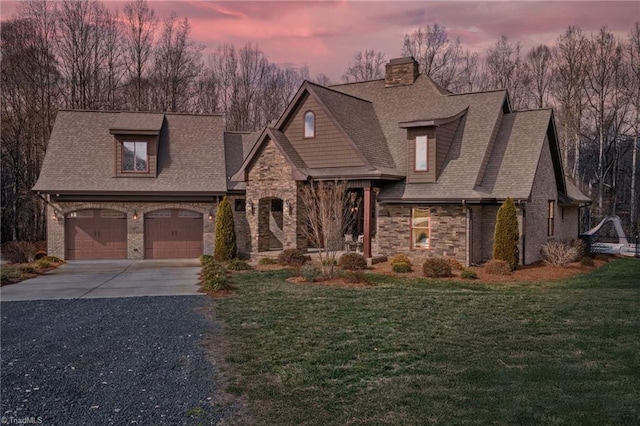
172	234
96	234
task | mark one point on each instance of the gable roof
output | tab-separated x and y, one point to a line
80	156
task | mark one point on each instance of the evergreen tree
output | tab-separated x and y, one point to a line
225	248
506	234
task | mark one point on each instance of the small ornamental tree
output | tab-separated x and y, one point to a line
225	248
506	234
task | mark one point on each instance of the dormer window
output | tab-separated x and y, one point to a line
135	157
422	153
309	124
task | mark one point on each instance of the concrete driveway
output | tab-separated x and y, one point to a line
90	279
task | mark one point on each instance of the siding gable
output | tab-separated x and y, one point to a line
329	147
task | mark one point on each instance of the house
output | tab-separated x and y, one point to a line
431	168
426	170
137	185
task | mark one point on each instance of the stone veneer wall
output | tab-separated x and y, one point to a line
271	177
135	228
448	231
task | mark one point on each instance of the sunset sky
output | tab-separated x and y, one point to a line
326	35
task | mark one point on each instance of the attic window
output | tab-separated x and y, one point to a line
421	163
135	157
309	124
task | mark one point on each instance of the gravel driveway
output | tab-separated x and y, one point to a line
109	361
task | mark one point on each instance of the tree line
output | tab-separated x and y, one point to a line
82	55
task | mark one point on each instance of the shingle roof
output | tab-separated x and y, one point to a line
139	122
80	155
236	147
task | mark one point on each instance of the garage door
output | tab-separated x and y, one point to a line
96	234
172	234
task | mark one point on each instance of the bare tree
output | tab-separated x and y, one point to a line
439	57
368	65
178	62
568	76
325	219
139	29
537	69
503	65
632	88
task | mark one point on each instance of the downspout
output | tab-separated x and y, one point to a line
469	230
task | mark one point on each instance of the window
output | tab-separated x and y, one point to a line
240	205
134	157
420	228
550	218
309	124
421	163
276	205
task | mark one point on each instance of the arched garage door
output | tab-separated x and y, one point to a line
96	234
172	234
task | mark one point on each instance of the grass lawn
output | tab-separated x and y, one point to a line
422	352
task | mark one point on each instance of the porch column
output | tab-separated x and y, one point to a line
367	222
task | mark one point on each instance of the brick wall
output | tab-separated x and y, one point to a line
271	177
448	231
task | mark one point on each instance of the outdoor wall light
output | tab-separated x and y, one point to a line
210	215
135	215
54	216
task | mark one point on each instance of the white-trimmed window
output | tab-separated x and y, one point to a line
420	228
309	124
421	163
135	157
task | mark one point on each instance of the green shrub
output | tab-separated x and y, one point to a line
27	269
292	257
309	272
401	267
9	273
559	253
18	251
329	262
214	277
238	265
267	261
54	259
497	267
205	258
400	258
506	234
42	263
586	261
436	267
468	274
455	264
355	277
352	262
225	248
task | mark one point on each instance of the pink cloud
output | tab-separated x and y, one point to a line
326	35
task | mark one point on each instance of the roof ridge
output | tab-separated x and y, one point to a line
476	93
338	92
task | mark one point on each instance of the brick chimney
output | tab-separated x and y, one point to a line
401	72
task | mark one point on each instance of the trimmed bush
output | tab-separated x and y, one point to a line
267	261
214	276
497	267
238	265
27	269
18	251
205	258
506	234
586	261
558	253
436	267
292	257
225	248
401	267
581	247
400	258
355	277
455	264
8	274
42	263
352	262
468	274
309	272
329	262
